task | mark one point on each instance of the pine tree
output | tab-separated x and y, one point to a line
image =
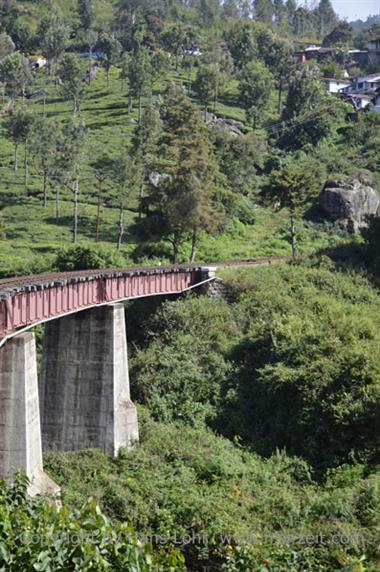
183	200
86	14
291	8
144	145
327	18
308	113
263	10
279	12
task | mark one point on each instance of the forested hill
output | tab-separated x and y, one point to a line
100	98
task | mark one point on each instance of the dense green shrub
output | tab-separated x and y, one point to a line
293	364
87	257
179	372
36	536
222	505
307	372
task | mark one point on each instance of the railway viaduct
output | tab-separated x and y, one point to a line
82	398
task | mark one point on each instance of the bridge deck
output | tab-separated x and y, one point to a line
30	300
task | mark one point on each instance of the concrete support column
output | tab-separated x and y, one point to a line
20	430
84	387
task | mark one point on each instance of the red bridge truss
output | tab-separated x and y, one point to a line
31	300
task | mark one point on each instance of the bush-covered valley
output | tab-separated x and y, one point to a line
259	426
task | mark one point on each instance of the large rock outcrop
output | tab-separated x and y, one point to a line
230	126
350	200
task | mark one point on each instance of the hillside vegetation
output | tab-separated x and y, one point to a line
160	131
290	373
85	177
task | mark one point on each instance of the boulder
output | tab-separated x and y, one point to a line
158	179
350	200
231	126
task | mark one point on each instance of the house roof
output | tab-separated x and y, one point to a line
372	77
338	80
360	95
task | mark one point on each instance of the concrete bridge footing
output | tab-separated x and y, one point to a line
20	434
84	384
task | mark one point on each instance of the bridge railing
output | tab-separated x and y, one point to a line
24	305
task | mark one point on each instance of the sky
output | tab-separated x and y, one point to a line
354	9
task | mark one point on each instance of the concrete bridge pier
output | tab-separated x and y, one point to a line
20	431
84	383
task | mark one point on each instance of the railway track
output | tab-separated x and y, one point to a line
29	282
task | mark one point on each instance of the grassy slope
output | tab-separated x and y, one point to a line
29	234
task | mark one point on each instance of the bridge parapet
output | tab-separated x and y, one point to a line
28	301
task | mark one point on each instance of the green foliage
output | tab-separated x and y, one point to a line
15	74
256	83
297	367
70	73
111	48
36	536
372	237
206	84
186	197
293	187
307	375
180	372
53	34
86	258
307	111
226	508
341	35
242	43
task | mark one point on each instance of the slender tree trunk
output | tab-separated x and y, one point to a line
121	228
193	245
98	218
279	108
75	213
175	243
140	109
130	103
15	164
44	107
141	197
45	189
90	68
108	78
293	232
75	106
26	173
215	99
57	203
